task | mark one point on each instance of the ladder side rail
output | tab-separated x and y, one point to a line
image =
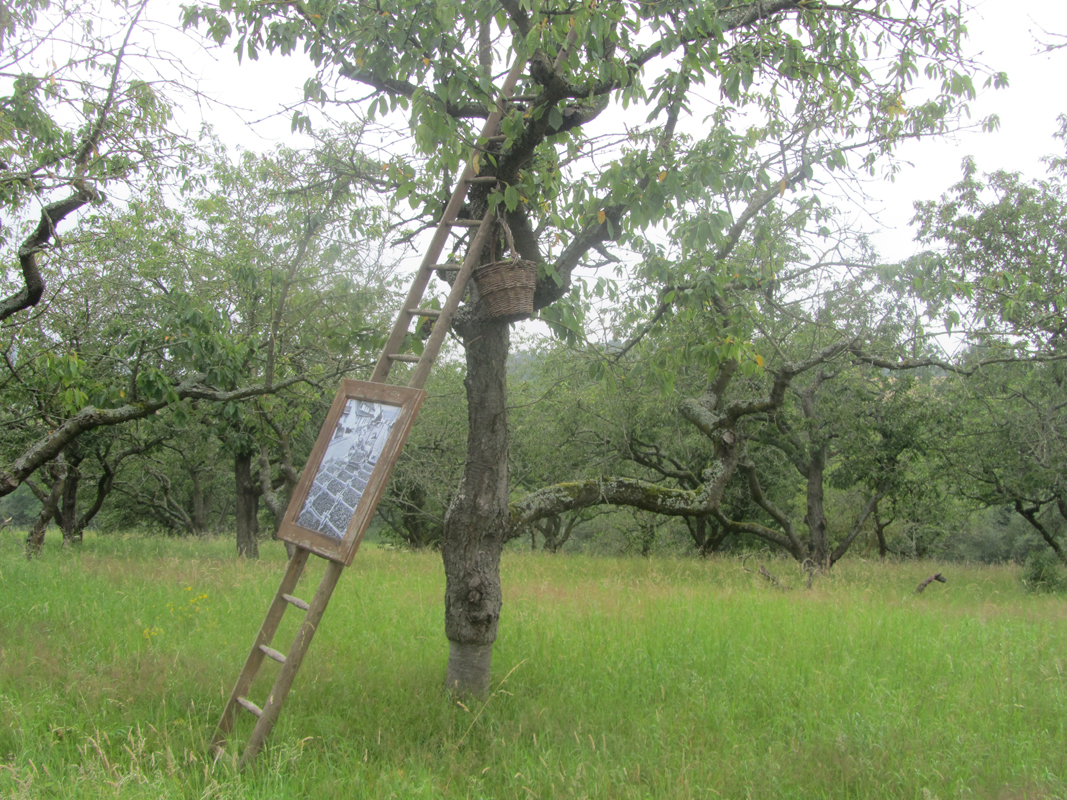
284	682
418	286
264	637
437	244
440	329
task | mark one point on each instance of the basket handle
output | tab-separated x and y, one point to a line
511	239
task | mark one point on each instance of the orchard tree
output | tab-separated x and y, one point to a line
89	350
179	482
743	104
82	130
283	245
73	125
839	422
891	454
1010	449
810	412
998	270
94	461
568	423
255	288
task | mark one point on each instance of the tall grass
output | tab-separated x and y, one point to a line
614	678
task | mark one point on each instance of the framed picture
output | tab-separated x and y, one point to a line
349	467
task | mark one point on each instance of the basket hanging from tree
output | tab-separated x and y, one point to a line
506	286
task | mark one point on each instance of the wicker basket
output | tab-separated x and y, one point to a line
507	288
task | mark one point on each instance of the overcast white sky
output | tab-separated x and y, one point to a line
1005	34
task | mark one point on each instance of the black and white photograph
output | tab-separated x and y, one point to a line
350	458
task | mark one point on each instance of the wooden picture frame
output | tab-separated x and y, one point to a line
349	468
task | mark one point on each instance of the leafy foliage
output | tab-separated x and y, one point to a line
1043	573
1002	260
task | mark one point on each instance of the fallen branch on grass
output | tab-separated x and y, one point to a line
763	572
770	578
938	577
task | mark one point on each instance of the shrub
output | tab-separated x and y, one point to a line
1043	573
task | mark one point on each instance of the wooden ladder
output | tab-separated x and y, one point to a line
267	714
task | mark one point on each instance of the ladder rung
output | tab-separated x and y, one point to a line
406	358
483	179
523	98
498	138
466	223
249	706
425	312
270	652
452	267
295	601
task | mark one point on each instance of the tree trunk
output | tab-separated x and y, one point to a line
247	510
550	528
646	536
477	523
879	531
35	538
706	534
67	514
201	515
815	519
568	529
420	530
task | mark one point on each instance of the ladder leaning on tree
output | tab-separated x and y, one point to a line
339	551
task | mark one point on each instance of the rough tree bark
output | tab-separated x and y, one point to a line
68	515
201	502
278	503
879	532
815	518
477	523
35	538
247	508
811	463
67	511
706	533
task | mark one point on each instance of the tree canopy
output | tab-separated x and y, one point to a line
741	108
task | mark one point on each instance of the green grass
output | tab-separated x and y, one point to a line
614	678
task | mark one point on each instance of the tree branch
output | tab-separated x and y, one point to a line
52	214
846	543
48	447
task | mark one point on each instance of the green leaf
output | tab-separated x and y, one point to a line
511	198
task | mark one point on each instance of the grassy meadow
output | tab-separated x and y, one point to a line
613	678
